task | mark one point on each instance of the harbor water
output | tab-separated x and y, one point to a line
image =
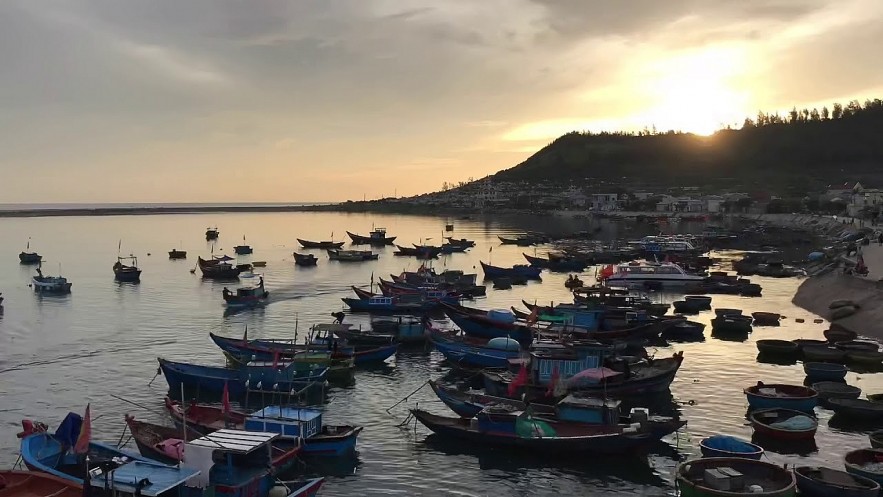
58	353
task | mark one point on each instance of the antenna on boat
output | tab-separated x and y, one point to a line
119	247
29	244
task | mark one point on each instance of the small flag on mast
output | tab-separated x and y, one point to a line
82	445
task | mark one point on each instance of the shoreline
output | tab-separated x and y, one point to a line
136	211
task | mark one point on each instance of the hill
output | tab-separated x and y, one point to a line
791	154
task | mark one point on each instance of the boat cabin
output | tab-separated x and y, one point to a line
590	410
142	478
377	234
233	463
287	421
567	361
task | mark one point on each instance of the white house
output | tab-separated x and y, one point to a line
603	201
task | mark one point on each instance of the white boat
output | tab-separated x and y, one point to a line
677	243
651	274
50	284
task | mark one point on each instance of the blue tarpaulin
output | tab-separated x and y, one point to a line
69	429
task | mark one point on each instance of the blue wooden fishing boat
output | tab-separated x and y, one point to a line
504	427
556	263
375	355
727	446
794	397
127	474
516	271
826	482
255	377
403	304
491	324
319	439
495	354
243	350
705	477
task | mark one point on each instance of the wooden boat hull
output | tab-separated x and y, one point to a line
559	266
177	254
483	327
809	483
468	355
709	451
34	484
823	354
824	371
319	245
234	302
876	439
725	325
215	270
801	399
375	355
368	240
612	443
493	272
763	425
855	460
777	347
689	472
365	305
305	259
857	409
211	379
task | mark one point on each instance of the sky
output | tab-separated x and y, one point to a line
326	100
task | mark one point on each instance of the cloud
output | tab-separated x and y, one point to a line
353	93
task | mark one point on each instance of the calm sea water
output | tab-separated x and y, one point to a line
58	353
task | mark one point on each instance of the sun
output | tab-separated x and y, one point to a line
695	92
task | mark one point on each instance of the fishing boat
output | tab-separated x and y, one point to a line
839	335
516	271
572	282
29	257
177	254
127	474
351	255
377	236
320	245
783	424
865	463
126	269
809	342
374	355
876	439
504	427
766	318
776	347
725	311
641	275
556	263
33	484
305	259
732	324
248	296
768	396
50	284
460	241
727	446
402	304
243	249
685	330
857	346
729	477
828	390
823	353
495	354
865	357
218	267
824	371
858	409
703	301
251	377
585	375
491	324
166	444
319	439
815	481
365	338
687	306
212	233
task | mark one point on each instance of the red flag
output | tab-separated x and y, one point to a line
82	445
518	381
275	358
225	399
552	383
533	316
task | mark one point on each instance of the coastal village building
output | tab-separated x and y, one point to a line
604	202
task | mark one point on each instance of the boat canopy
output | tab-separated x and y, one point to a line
160	478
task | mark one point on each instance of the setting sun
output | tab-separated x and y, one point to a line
695	92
